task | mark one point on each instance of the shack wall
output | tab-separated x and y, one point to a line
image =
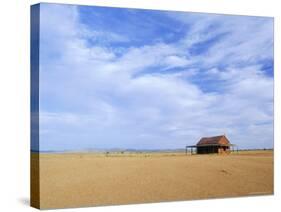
207	150
212	149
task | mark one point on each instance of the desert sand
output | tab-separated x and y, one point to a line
91	179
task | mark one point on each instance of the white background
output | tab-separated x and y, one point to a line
14	102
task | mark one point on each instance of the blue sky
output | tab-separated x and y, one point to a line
145	79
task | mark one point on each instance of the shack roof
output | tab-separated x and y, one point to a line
220	140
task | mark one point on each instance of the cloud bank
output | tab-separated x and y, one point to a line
124	78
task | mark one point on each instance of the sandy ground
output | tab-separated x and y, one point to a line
88	179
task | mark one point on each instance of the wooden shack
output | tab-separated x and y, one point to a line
208	145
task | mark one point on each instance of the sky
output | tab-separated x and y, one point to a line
147	79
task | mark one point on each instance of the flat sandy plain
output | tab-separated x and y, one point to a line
92	179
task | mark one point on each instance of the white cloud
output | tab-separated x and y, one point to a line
92	98
103	36
176	61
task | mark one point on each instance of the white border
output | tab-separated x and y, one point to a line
14	105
